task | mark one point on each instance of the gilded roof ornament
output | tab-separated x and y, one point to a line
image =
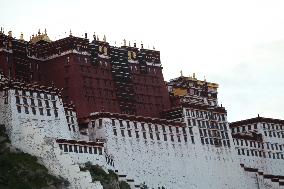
22	36
40	37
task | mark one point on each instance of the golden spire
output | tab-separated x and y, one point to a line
104	39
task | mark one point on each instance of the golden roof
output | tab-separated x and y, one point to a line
40	37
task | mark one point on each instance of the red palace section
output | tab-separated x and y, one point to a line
95	76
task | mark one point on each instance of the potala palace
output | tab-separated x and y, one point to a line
73	101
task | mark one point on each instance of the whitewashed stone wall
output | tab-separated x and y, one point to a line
268	154
37	134
173	165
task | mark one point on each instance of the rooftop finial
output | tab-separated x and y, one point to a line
193	75
181	73
94	36
70	33
38	31
142	45
154	48
104	39
1	30
45	32
10	34
124	42
98	38
257	115
22	36
129	44
204	78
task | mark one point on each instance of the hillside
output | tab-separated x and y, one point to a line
19	170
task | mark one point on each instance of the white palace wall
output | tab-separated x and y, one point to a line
173	165
35	133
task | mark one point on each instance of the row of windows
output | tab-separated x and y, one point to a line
244	128
207	124
250	143
151	127
257	153
32	102
274	134
34	94
270	126
80	149
34	110
213	133
151	136
215	141
205	115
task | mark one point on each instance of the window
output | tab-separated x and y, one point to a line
65	148
26	110
19	109
41	111
165	137
39	103
189	122
114	132
122	133
190	130
192	139
129	133
144	135
75	149
18	100
34	110
48	112
56	113
157	136
25	101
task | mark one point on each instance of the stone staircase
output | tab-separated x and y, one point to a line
266	180
131	182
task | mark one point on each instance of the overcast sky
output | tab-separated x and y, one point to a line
237	44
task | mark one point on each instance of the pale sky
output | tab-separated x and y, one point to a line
237	44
